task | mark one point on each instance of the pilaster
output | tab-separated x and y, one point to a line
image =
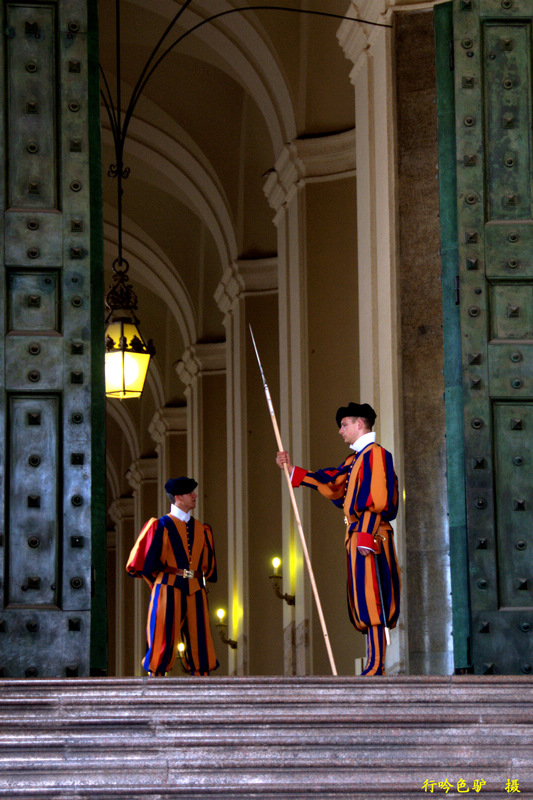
312	192
371	50
202	369
285	191
168	429
122	513
198	369
247	294
143	477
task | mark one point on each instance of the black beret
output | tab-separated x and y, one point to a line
356	410
182	485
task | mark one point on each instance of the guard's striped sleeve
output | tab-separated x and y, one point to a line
209	564
330	482
376	495
145	555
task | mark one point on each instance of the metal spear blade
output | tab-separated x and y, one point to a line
257	356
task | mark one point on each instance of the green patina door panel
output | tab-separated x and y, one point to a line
493	95
513	424
45	318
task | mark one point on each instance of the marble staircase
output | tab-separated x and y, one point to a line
266	737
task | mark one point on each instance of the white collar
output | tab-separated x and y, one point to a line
364	441
177	512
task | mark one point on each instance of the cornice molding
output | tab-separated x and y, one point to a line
356	39
258	274
122	508
165	420
247	276
230	287
201	359
319	158
141	470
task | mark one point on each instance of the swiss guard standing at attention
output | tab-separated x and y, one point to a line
176	556
366	488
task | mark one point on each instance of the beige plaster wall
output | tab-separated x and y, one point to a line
333	368
264	533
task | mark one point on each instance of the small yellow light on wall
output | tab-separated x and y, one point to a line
276	579
182	655
222	626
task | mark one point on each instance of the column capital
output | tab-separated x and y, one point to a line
200	359
357	40
316	159
122	508
142	469
229	289
246	276
167	419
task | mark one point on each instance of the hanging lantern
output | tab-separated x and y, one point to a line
127	354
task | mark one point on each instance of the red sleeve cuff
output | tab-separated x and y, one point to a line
298	474
365	539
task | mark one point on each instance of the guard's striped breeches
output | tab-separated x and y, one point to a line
362	586
175	616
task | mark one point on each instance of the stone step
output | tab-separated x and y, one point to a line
266	737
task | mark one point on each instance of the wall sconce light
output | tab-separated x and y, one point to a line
276	579
222	627
182	655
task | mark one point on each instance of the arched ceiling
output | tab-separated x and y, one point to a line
210	123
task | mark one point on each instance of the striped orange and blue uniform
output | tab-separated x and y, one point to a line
366	488
178	609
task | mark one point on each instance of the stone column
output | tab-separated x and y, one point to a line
312	191
168	429
247	294
121	512
420	291
202	369
143	478
287	198
372	77
390	268
111	595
